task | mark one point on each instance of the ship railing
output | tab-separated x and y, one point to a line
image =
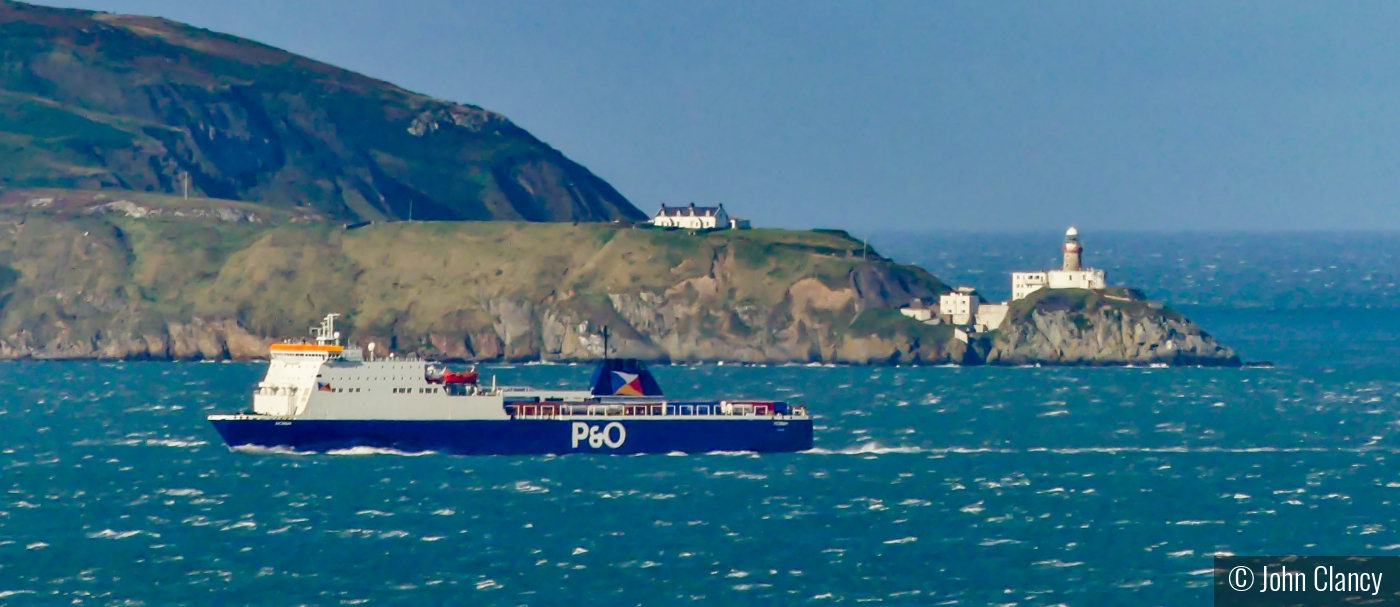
682	409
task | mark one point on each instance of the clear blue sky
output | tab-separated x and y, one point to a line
885	115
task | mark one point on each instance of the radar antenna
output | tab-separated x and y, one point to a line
326	333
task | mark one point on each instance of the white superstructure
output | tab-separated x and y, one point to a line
324	380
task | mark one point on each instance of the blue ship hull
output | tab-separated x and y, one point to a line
524	436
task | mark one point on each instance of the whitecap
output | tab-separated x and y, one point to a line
374	513
114	535
902	540
362	450
173	442
869	448
998	542
261	450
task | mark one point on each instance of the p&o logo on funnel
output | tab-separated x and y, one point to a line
627	384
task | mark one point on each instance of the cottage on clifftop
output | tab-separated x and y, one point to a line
697	218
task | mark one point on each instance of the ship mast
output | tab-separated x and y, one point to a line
605	343
326	333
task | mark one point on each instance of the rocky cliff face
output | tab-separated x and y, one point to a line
176	280
101	101
1086	328
160	278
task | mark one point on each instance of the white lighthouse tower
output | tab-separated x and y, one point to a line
1073	251
1071	275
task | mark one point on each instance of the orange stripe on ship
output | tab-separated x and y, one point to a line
305	348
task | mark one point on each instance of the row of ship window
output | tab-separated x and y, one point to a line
396	390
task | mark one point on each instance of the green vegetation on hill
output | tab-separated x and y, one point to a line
165	277
889	321
93	275
100	101
1080	301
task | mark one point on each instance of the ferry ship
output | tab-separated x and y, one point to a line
322	396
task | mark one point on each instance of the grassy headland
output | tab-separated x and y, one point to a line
153	276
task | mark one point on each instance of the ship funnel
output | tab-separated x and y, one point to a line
624	377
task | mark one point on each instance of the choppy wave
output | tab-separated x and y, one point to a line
351	451
143	442
877	449
260	450
1143	481
866	449
115	535
378	451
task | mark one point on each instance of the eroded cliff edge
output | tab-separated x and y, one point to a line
1102	328
156	278
162	278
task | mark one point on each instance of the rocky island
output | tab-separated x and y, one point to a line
1102	328
167	192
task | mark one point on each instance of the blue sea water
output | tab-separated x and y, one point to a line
931	485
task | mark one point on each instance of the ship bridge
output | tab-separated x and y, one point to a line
291	374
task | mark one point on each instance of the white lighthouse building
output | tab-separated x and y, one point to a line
1072	275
